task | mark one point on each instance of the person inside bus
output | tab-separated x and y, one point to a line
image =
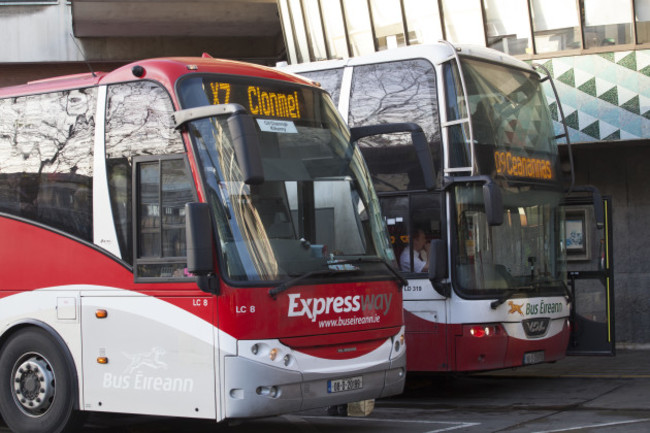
421	254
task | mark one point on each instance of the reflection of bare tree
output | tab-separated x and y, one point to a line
50	133
403	91
329	80
46	157
138	121
395	92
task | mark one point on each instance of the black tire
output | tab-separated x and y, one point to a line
38	384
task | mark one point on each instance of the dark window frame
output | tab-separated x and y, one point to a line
136	188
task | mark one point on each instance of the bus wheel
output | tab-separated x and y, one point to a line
37	387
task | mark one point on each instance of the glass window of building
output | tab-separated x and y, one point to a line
335	30
607	23
507	26
298	23
556	25
463	21
387	19
423	21
642	11
357	17
315	29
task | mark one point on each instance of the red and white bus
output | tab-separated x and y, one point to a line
188	237
486	192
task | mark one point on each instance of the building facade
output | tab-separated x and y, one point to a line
45	38
598	53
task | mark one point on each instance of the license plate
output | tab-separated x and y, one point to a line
348	384
533	357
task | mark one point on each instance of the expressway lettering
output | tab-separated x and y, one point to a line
314	307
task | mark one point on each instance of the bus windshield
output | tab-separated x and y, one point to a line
514	144
524	253
510	115
315	206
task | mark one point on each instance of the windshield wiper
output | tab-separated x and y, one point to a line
317	273
392	270
336	267
555	283
508	294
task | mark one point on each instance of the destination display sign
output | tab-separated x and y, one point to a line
264	100
512	165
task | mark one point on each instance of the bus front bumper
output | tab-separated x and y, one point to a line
253	389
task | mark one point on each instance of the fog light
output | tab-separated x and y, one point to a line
287	359
255	348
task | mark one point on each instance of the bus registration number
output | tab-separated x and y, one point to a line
533	357
348	384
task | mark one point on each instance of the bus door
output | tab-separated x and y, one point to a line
409	216
591	276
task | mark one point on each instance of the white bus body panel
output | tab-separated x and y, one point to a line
160	358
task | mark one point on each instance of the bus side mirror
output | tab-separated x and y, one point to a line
243	132
198	235
492	198
438	267
493	204
247	146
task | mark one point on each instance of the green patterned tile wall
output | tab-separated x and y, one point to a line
604	97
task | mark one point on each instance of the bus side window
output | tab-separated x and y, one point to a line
47	165
395	211
163	186
407	216
330	80
138	122
400	91
456	108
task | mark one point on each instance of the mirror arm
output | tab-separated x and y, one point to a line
418	137
492	198
208	283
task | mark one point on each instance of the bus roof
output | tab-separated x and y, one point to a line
164	70
436	53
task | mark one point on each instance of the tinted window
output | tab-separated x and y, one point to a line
402	91
163	188
138	122
413	221
46	155
330	80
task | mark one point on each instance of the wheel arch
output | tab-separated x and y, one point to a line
56	337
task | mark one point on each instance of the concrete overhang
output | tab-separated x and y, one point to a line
168	18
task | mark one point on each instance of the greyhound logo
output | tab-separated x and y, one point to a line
151	359
515	308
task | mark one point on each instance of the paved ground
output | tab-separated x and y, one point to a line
577	394
626	364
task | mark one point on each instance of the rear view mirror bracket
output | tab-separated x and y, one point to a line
492	197
418	138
